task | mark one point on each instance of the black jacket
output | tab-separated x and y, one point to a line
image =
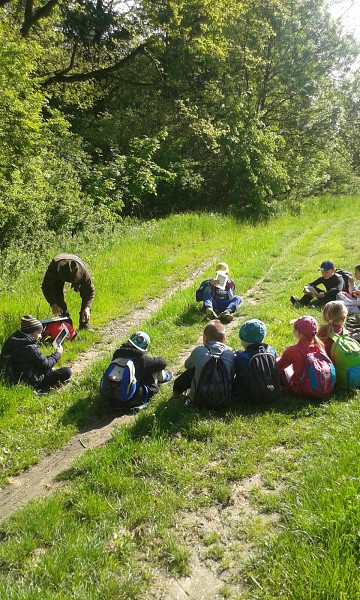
333	285
29	363
146	367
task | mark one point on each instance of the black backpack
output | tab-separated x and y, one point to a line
7	368
345	275
264	377
214	386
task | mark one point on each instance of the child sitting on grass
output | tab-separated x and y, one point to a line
305	368
220	301
335	314
341	345
213	345
352	298
316	297
149	372
266	386
23	360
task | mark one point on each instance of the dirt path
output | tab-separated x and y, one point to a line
39	480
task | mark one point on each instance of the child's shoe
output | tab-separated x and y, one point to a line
295	301
226	316
210	313
166	377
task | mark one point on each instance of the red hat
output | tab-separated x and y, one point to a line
308	326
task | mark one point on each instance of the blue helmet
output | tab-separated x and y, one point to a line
140	340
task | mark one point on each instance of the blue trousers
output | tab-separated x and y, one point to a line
221	304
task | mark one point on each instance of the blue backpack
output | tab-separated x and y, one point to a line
119	381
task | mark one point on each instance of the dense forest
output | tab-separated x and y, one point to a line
114	109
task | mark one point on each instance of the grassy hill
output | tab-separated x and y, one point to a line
264	501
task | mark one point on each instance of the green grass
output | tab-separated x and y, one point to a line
122	514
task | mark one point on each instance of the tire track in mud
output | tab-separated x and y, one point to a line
40	480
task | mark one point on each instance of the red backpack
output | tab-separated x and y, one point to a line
319	377
53	326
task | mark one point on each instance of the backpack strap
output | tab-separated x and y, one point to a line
206	346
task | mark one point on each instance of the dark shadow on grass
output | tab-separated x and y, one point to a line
92	412
193	314
172	417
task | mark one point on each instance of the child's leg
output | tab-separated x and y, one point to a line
183	382
234	303
53	378
210	306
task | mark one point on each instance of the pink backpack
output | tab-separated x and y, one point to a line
319	378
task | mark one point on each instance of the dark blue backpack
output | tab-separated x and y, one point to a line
199	294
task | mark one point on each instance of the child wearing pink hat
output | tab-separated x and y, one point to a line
305	368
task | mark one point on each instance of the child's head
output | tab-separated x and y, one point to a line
357	272
31	326
335	312
214	332
223	266
327	269
305	327
140	340
252	331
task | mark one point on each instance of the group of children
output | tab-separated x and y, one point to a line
338	284
305	369
308	368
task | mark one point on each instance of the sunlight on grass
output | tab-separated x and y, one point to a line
288	475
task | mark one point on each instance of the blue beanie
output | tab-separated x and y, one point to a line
252	331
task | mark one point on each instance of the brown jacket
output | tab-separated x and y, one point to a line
67	267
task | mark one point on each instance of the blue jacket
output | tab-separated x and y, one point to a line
227	294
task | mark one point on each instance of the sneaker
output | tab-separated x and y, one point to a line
295	301
86	327
168	375
226	316
210	313
137	409
188	404
39	392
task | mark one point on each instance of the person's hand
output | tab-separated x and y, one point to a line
214	282
56	310
59	349
85	315
356	293
320	295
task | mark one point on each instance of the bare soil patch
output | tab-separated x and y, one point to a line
39	480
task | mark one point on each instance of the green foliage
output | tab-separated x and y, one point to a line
267	496
146	107
125	182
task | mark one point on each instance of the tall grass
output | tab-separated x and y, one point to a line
122	513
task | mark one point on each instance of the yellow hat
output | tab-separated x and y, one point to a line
222	266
